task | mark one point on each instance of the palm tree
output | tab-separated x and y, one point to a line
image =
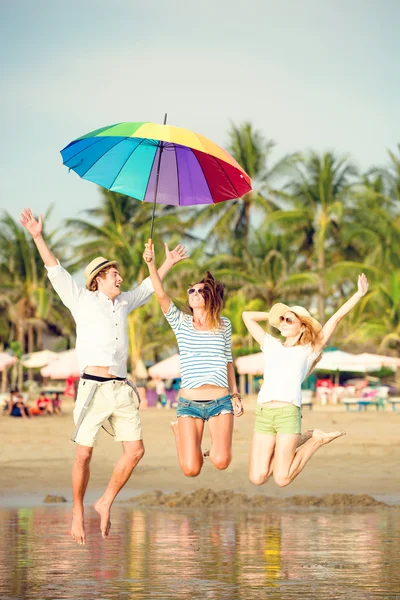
229	223
371	226
120	233
377	320
31	301
317	196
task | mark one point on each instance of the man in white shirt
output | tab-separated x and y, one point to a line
100	311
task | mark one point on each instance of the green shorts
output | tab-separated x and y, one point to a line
278	420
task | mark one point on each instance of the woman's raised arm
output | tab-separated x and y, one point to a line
330	326
251	319
162	296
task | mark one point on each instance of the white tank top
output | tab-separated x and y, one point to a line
285	369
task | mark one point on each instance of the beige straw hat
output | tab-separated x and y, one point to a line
95	267
279	309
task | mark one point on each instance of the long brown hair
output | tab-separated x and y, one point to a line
213	294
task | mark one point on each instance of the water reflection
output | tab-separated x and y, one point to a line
202	554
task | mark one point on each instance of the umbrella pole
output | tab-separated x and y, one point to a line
156	190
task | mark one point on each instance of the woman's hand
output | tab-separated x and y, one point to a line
362	285
148	254
237	405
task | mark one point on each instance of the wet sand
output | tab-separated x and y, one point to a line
36	458
189	553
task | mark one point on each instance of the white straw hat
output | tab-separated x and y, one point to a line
279	309
95	267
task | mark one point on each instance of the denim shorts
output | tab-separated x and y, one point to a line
271	421
199	409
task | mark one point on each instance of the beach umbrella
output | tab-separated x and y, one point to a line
64	366
35	360
251	364
166	369
157	163
345	362
6	360
379	360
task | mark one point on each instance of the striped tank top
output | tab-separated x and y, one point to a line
204	355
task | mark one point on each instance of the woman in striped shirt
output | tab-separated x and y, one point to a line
208	388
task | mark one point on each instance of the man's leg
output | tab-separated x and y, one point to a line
132	453
80	480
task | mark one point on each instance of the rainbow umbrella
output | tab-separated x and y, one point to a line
157	163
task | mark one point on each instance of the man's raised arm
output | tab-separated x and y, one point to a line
60	279
35	229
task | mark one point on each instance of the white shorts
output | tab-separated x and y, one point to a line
113	401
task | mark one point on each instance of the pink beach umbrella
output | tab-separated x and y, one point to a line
6	360
166	369
64	366
252	364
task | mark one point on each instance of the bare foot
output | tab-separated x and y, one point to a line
78	527
304	437
104	511
324	438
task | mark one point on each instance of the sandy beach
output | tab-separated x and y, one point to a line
36	457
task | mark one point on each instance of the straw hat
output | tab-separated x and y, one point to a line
279	309
95	267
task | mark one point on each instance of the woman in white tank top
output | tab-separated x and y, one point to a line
277	433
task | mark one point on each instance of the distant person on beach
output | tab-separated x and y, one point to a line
55	403
161	393
17	406
275	446
100	311
44	404
208	388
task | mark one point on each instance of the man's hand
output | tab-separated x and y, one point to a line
31	225
176	255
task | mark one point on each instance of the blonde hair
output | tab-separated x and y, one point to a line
213	294
93	287
308	336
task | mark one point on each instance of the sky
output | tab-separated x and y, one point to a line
315	74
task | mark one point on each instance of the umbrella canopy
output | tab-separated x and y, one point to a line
382	361
166	369
344	361
6	360
252	364
64	366
126	158
38	359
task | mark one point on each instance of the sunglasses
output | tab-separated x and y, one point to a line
289	320
198	290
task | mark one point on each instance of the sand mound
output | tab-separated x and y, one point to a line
207	498
53	499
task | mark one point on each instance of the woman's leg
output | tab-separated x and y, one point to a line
221	430
261	457
188	433
290	461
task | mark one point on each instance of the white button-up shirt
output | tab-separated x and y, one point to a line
101	324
